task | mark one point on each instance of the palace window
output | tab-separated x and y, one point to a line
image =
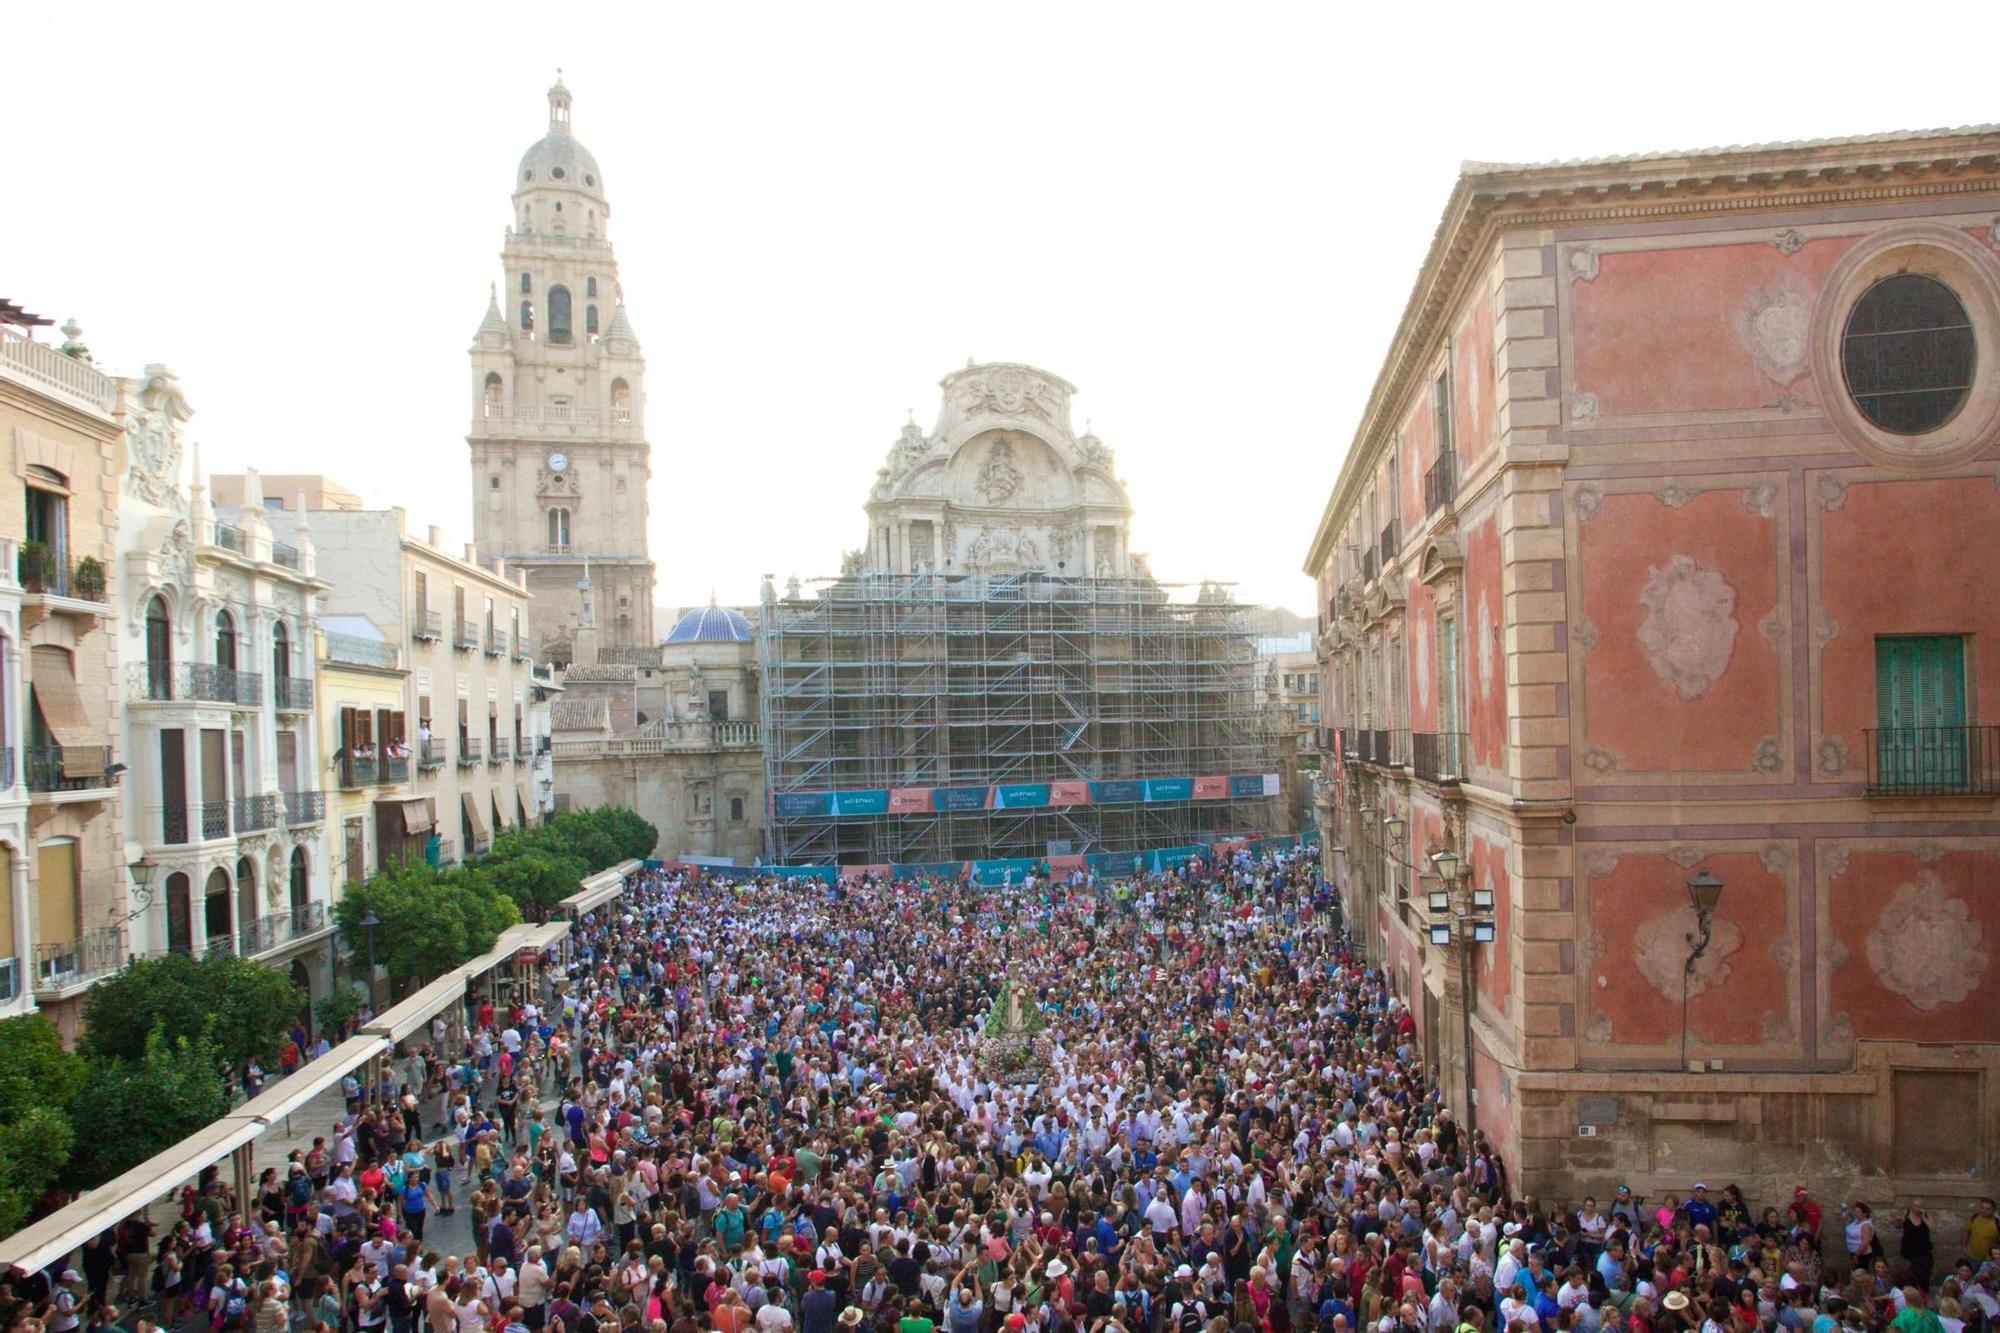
1907	354
590	320
527	285
559	529
558	314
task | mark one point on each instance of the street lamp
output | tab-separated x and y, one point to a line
142	883
1459	908
1704	892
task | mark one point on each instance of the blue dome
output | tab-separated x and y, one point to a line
711	624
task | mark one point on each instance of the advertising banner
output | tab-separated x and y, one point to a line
861	802
1020	795
909	800
1116	793
802	804
1069	793
959	798
1169	789
1213	788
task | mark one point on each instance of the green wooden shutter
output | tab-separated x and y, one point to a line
1920	708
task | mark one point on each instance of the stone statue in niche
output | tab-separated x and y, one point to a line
920	546
1104	564
999	479
980	553
1029	554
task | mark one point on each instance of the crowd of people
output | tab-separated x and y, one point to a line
753	1106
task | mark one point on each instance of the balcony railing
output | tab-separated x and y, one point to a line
283	554
52	768
503	752
426	625
304	807
1441	482
1933	761
464	635
229	538
468	751
357	771
51	572
308	918
49	365
430	755
496	643
208	819
195	682
294	694
357	651
219	946
266	932
1399	749
395	768
254	813
66	962
447	852
1438	756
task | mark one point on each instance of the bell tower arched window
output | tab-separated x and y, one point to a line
494	402
590	320
621	400
559	529
527	316
558	314
527	284
590	288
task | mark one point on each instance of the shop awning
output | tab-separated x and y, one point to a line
414	812
62	708
469	802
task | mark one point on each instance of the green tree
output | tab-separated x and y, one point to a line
537	881
128	1110
37	1080
430	921
243	1008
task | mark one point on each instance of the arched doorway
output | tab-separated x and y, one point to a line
248	918
159	650
281	656
225	640
215	909
301	884
180	913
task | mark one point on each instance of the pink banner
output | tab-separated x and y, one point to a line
857	872
1062	865
1212	788
909	800
1069	793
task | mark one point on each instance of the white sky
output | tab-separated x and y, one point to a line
1208	219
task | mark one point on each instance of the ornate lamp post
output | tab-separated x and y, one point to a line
1704	892
1463	918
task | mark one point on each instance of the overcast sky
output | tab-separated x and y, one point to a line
1207	220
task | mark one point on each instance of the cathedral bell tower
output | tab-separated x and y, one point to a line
560	462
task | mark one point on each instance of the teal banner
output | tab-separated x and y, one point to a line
1020	795
861	802
1116	793
958	798
999	872
802	804
1169	789
929	870
1252	785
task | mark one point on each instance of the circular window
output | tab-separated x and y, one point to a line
557	172
1907	354
589	180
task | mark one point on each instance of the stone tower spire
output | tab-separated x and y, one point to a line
557	447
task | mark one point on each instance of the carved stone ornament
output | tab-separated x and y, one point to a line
1687	856
1775	857
1580	262
1769	756
999	478
1598	1031
1586	502
1833	756
1926	945
1012	391
1690	626
1599	760
1840	1036
153	420
1482	622
1674	495
1772	626
1761	499
1789	241
1582	408
1584	633
1832	492
1774	324
1834	858
1660	951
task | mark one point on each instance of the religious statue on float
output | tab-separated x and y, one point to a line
1013	1046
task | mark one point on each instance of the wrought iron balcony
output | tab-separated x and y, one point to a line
468	751
52	572
395	768
464	635
500	752
357	771
219	946
1391	543
1368	565
229	538
254	813
294	694
1441	482
196	682
430	755
496	643
265	933
304	807
66	962
282	554
308	918
1933	761
426	625
357	651
52	768
1438	756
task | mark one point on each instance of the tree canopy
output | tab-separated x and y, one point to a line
243	1008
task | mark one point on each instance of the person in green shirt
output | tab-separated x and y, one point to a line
1915	1317
914	1319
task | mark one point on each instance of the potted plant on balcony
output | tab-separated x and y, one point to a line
37	565
90	579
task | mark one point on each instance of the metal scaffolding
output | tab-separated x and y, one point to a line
926	680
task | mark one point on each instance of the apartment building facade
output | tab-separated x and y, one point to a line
1653	593
375	819
65	888
226	806
461	626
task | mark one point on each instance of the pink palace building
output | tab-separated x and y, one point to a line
1659	626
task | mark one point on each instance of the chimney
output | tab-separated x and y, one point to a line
436	537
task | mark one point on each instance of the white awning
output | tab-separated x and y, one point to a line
410	1016
289	1094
